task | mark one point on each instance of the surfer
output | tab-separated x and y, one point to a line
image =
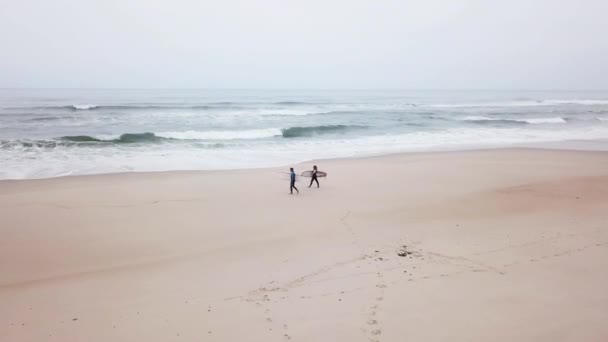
292	184
314	176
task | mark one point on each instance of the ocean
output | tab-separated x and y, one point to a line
49	133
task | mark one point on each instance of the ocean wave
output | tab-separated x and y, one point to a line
222	135
155	137
223	108
85	107
548	102
176	136
478	118
185	136
486	120
545	120
521	103
486	104
82	141
127	138
45	118
210	105
588	102
501	122
299	132
28	144
294	103
82	106
128	107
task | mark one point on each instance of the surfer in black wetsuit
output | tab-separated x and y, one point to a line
292	184
314	176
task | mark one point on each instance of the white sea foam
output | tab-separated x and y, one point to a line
588	102
222	135
478	118
486	104
521	103
545	120
84	106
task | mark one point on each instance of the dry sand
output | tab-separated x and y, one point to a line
501	245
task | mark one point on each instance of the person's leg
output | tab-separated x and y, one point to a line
311	180
291	188
316	180
294	186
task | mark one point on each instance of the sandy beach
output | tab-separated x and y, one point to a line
493	245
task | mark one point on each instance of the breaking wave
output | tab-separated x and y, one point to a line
149	137
82	106
173	106
127	138
545	120
298	132
489	120
524	102
222	135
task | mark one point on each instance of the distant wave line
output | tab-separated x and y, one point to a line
488	120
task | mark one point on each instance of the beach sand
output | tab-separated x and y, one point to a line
494	245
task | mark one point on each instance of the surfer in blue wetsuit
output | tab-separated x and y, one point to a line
314	176
292	184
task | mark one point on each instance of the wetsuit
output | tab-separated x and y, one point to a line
292	184
314	178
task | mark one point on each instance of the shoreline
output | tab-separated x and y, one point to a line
594	145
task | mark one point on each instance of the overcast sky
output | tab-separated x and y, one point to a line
430	44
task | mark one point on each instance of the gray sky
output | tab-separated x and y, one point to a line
430	44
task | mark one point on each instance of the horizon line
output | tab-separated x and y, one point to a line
307	89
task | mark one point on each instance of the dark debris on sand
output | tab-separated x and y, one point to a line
403	251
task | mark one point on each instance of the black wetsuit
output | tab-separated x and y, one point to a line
314	178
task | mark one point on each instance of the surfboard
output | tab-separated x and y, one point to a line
287	176
309	174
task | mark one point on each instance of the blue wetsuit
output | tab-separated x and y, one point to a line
292	184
